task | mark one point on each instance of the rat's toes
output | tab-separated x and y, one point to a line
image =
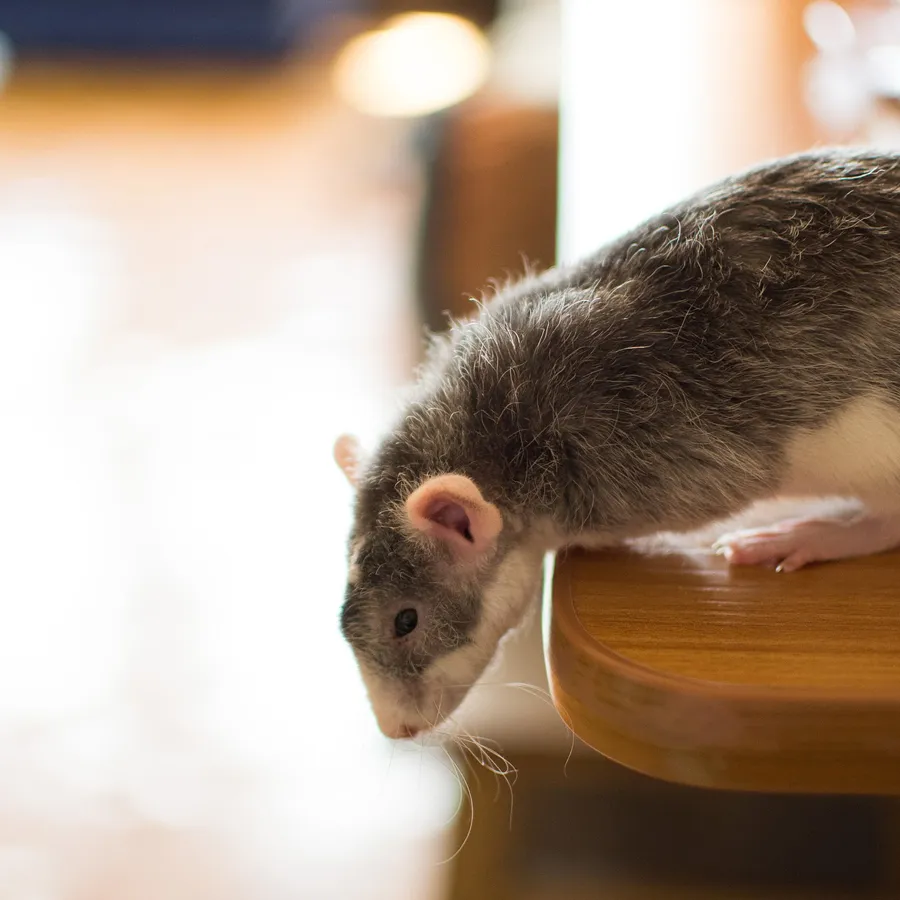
743	549
794	562
798	542
788	545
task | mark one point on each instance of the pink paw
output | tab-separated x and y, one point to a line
792	544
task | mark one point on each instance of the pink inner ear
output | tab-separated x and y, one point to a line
450	508
452	516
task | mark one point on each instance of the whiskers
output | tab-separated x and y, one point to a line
488	757
482	752
544	696
475	753
465	797
479	751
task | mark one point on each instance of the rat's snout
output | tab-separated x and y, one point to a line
398	731
406	707
394	705
405	732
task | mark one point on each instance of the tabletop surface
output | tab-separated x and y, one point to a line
833	628
673	664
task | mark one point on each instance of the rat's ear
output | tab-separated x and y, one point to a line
348	455
451	508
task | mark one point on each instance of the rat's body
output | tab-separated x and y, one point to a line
741	346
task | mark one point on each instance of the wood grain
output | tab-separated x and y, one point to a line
677	666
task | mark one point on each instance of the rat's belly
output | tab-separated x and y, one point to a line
856	455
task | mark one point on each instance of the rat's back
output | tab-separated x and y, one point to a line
669	371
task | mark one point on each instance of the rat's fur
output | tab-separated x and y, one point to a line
656	386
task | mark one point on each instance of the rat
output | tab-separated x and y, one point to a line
743	345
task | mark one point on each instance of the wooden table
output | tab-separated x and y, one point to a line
679	667
671	663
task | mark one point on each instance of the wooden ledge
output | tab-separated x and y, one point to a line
675	665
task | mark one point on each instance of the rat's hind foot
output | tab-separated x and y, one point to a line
794	543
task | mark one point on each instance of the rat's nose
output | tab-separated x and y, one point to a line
406	731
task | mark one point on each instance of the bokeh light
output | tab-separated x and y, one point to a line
416	64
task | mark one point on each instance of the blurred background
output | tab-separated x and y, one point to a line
224	226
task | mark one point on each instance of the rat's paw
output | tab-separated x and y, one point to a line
792	544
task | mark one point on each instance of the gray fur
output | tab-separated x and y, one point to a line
655	386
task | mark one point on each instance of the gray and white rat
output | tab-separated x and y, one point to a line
741	346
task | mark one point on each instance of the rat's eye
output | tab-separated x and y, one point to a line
405	621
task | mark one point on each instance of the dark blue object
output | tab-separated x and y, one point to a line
194	27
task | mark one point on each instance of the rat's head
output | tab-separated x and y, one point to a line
436	579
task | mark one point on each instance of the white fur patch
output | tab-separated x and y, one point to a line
855	455
505	602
